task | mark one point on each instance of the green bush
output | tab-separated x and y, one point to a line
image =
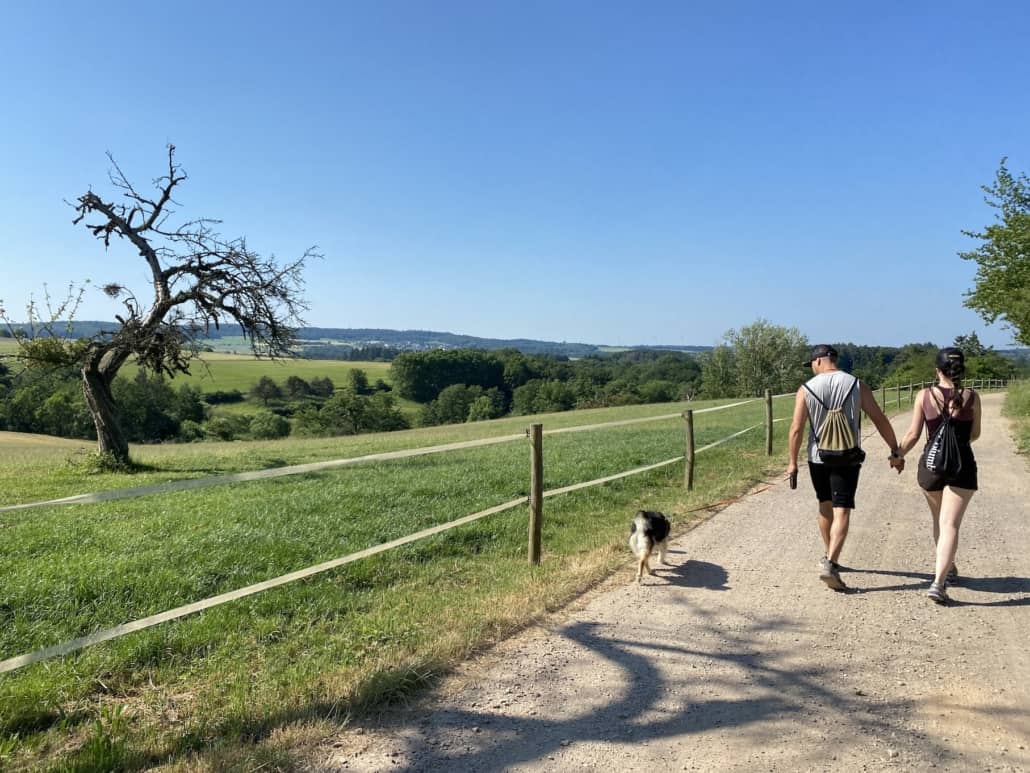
268	426
190	431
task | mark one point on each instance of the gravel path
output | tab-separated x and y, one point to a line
738	658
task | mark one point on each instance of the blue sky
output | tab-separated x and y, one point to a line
620	173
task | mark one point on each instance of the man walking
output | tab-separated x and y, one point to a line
835	480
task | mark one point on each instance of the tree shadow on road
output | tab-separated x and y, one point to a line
646	706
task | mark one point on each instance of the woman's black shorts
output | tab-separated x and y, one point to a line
966	477
835	484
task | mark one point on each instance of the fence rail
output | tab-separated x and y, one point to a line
535	500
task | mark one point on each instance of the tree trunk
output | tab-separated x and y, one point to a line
110	438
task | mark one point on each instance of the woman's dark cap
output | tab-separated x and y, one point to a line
821	350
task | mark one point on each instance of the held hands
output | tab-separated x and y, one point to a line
896	461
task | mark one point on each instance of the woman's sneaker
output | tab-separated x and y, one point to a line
938	594
829	573
952	576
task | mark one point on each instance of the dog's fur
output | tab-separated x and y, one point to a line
648	532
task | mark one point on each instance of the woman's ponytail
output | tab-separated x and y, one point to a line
952	363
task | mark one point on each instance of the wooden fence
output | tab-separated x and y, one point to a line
537	494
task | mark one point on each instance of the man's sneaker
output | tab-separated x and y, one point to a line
938	594
829	573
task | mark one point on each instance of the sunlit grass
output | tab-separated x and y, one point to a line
1017	407
338	642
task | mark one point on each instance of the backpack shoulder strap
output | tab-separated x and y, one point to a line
853	385
818	399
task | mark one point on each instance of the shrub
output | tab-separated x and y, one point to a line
268	426
190	431
219	397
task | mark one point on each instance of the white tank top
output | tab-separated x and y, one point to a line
832	388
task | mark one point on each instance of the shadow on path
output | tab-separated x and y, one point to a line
648	707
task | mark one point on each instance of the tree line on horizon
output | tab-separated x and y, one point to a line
464	385
203	282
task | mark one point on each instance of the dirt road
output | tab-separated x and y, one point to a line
738	658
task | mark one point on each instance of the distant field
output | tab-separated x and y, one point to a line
223	372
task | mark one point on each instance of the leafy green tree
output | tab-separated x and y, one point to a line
913	364
146	405
188	405
767	356
620	391
659	391
346	413
540	396
191	431
719	372
266	389
322	387
991	365
970	345
358	382
1002	284
65	415
421	376
297	388
489	405
452	405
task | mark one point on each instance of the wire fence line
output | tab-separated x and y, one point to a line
192	484
118	631
74	645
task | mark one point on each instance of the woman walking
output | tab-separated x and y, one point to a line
947	495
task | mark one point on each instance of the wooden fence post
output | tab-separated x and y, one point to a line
768	423
688	473
883	396
536	490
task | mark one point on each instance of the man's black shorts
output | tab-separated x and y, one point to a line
835	484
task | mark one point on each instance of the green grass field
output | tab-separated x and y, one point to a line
249	684
223	372
337	643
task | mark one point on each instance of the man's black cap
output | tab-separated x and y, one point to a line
821	350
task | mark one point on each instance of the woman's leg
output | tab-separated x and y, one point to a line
953	505
933	499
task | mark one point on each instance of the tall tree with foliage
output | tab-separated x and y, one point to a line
765	356
1002	284
198	280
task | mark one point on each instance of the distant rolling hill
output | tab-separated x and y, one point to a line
325	341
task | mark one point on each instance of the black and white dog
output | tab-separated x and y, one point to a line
649	530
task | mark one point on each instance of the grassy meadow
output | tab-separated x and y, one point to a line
223	688
1017	408
257	683
223	372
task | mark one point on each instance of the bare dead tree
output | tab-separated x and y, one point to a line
199	281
